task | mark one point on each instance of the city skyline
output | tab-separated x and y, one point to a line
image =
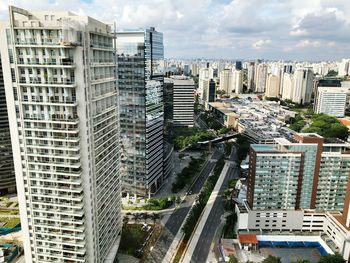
294	30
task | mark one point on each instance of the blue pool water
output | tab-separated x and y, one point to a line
294	244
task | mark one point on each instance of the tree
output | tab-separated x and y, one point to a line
272	259
332	73
336	258
232	259
301	261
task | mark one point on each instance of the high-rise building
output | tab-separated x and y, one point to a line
287	86
302	89
194	69
226	81
140	80
60	82
186	70
205	75
238	81
343	67
238	65
272	86
307	173
209	94
251	76
183	102
261	77
331	101
7	169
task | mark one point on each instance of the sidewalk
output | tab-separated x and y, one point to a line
195	236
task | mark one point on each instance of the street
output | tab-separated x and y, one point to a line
176	219
206	239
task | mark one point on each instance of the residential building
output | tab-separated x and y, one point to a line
331	101
238	81
194	69
261	77
306	172
140	79
209	94
7	169
343	67
60	82
272	86
205	75
251	76
302	89
227	81
287	86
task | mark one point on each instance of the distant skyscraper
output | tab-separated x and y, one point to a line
303	82
288	69
186	69
261	77
272	86
140	80
238	65
7	169
205	74
209	94
194	69
343	67
331	101
59	72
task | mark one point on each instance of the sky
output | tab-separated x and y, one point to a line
228	29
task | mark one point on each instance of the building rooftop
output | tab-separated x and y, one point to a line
247	239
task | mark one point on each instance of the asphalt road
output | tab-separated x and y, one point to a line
174	222
207	236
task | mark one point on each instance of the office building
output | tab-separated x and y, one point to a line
238	65
60	82
304	173
186	69
331	101
183	102
272	86
302	89
261	77
140	79
7	169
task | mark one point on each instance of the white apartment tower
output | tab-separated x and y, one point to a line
59	74
238	81
331	101
261	77
272	86
303	82
226	81
287	86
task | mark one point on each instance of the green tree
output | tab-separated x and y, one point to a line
301	261
272	259
233	259
332	73
336	258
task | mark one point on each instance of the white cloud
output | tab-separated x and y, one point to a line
261	43
227	29
308	43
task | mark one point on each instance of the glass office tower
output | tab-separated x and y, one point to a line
140	79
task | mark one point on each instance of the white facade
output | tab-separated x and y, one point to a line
287	86
331	101
238	81
343	67
272	86
205	75
59	72
227	81
303	82
183	103
261	77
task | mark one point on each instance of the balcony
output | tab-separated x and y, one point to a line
66	63
44	83
101	45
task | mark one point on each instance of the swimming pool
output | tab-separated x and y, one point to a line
294	244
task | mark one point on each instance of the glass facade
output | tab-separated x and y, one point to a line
140	79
